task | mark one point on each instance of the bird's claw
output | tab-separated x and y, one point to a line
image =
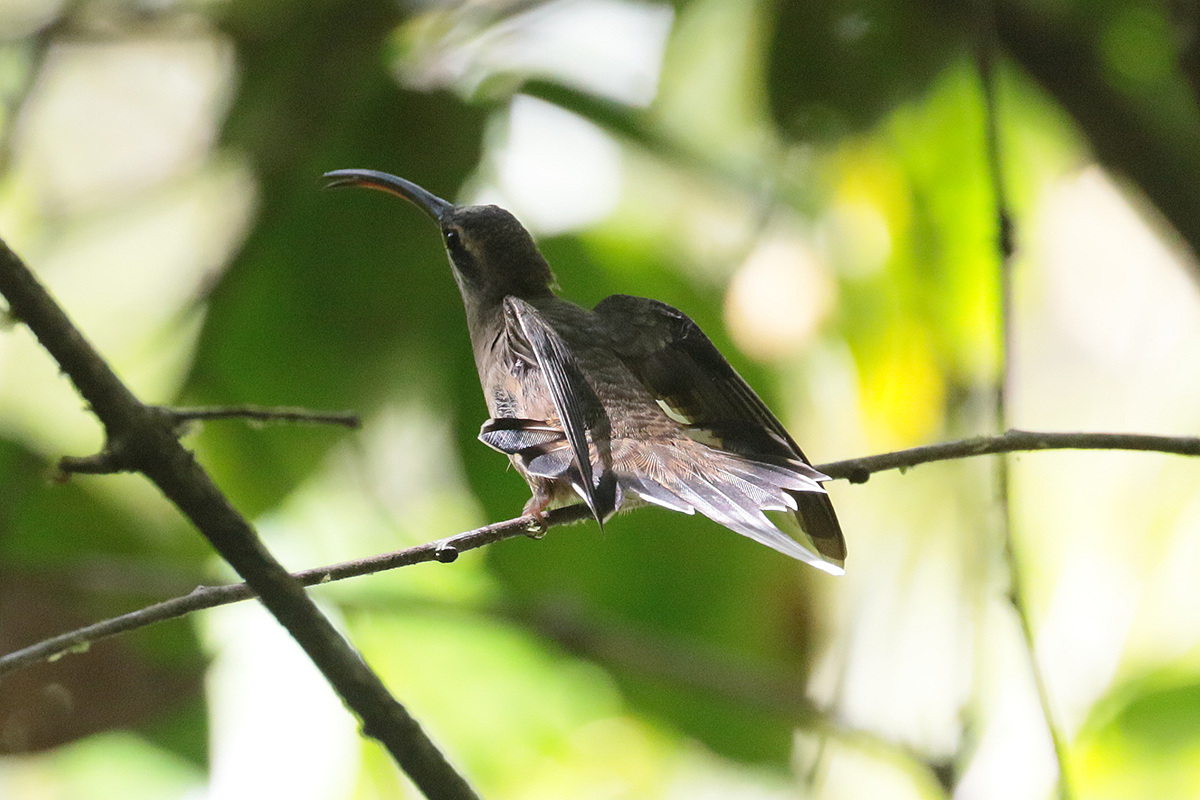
537	527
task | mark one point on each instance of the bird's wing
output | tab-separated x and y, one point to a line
543	448
579	409
695	385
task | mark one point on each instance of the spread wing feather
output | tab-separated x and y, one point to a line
577	406
761	468
543	448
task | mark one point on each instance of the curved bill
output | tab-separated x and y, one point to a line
428	202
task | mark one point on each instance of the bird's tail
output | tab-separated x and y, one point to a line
735	491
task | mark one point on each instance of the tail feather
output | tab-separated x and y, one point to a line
734	491
745	487
817	518
654	492
741	516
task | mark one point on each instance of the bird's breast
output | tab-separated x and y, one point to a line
514	385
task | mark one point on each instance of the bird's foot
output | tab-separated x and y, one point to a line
536	508
538	528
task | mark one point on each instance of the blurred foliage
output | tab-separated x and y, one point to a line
850	130
68	559
1144	739
839	67
318	269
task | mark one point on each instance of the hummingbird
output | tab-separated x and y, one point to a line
623	405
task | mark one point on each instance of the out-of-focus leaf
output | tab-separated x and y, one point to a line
336	299
50	526
637	127
1143	740
920	319
68	559
1166	719
704	604
837	67
477	680
1160	718
115	684
1112	66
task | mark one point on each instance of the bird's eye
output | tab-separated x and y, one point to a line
460	255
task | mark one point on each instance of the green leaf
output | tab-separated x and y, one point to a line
337	299
68	558
837	67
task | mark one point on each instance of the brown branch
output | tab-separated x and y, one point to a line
445	551
267	414
987	45
855	470
858	470
108	461
141	438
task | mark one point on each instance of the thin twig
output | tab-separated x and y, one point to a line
267	414
986	16
444	550
38	49
858	470
144	439
109	461
447	550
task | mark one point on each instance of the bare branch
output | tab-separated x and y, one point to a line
112	460
444	550
143	438
102	463
267	414
856	470
985	13
859	470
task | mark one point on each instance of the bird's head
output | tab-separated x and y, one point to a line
492	254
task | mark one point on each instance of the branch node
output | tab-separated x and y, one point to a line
106	462
858	475
445	553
